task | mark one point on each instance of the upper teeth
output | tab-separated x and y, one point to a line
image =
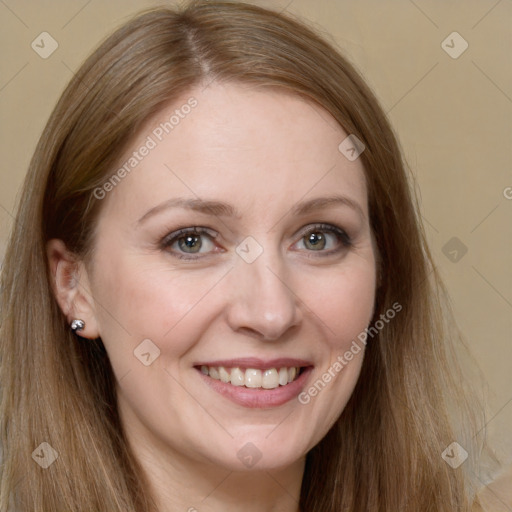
252	378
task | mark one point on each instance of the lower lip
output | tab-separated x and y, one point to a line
259	397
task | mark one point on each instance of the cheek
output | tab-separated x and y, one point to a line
141	300
150	300
344	301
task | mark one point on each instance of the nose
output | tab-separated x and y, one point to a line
263	304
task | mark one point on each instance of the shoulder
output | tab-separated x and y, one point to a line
497	495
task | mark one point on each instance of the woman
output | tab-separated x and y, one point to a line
218	293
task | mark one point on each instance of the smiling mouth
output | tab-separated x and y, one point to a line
270	378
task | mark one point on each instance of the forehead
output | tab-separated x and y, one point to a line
253	147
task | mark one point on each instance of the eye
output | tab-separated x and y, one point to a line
196	242
325	239
187	242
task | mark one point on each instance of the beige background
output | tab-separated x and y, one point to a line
453	118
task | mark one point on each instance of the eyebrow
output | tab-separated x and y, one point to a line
221	209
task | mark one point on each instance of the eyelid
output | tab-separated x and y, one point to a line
345	238
169	239
199	230
321	226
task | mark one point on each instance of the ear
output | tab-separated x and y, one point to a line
71	287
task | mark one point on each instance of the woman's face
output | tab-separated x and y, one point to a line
236	244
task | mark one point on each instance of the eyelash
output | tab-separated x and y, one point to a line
342	236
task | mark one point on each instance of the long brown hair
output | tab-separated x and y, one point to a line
384	452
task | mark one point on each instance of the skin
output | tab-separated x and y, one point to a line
263	151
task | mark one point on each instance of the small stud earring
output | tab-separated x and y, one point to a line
77	325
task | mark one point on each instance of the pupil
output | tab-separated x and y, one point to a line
190	242
316	240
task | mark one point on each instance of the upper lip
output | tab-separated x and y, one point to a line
254	362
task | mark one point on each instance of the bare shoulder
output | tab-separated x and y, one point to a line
497	495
